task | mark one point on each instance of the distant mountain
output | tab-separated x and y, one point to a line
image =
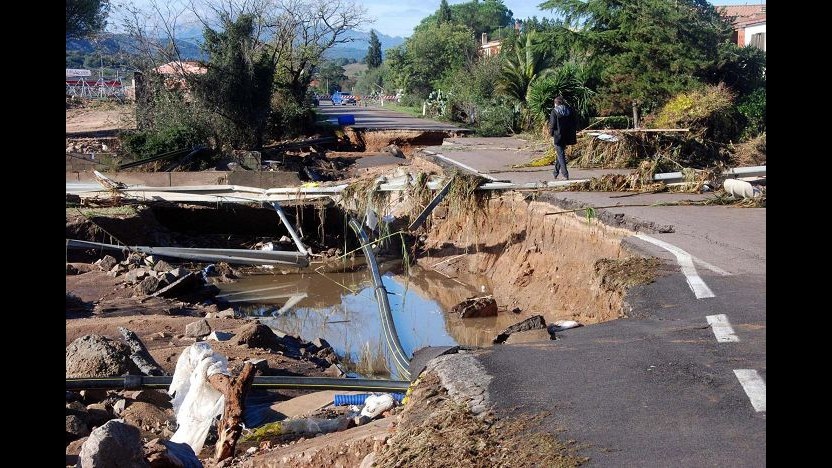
357	49
114	44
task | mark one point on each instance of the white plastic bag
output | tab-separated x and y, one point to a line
195	402
374	405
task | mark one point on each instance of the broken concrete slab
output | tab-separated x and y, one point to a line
531	323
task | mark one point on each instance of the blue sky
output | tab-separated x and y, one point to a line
399	18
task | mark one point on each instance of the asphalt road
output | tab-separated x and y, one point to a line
379	118
657	388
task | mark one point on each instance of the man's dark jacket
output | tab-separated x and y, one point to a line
562	126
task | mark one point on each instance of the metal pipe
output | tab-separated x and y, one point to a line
243	256
389	327
290	228
130	382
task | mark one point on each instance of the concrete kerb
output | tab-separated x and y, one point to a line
465	378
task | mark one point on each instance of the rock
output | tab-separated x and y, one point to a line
180	285
198	329
119	406
79	268
72	451
257	335
115	444
148	286
260	364
107	263
531	323
220	336
162	266
393	150
368	460
93	395
141	414
153	397
76	427
164	454
179	272
135	275
333	371
321	343
98	356
97	414
227	313
476	307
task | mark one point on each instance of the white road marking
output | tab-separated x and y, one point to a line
711	267
464	166
722	328
754	387
697	285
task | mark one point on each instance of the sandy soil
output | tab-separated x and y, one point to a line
100	116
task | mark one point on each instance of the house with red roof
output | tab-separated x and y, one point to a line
749	23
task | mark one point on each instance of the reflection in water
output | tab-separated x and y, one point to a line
341	308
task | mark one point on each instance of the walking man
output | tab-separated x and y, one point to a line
562	128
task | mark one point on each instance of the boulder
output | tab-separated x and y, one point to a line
76	427
257	335
115	444
162	265
107	263
98	356
148	286
198	329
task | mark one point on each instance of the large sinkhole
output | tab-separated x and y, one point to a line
530	257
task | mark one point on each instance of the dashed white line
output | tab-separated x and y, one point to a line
722	328
754	386
685	260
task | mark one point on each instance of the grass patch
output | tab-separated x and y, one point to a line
409	110
620	274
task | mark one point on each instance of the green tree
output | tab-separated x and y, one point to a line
85	18
429	55
330	75
485	16
528	61
648	50
373	57
238	82
443	15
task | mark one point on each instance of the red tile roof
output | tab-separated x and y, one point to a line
744	14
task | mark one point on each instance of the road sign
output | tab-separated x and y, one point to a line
78	72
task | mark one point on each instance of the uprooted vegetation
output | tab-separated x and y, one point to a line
434	427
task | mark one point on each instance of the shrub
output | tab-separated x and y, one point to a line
753	108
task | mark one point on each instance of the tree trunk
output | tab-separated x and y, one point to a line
231	424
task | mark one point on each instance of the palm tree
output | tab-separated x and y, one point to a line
570	81
529	62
